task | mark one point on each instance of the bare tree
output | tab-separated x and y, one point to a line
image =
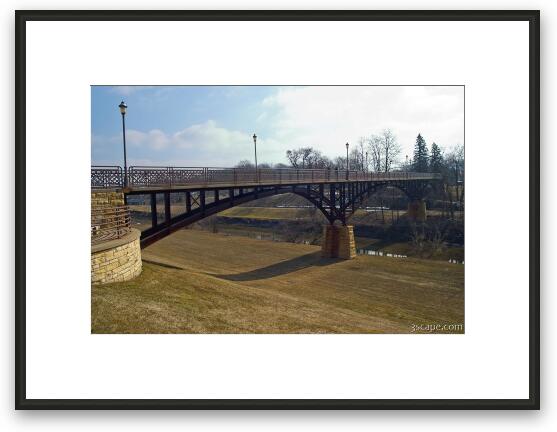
361	146
307	157
454	170
376	151
339	163
384	150
245	164
293	157
391	149
418	239
356	161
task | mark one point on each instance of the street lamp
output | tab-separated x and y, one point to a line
123	107
255	147
347	160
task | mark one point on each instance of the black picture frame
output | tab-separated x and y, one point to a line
531	16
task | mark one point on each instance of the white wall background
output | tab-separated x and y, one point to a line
431	421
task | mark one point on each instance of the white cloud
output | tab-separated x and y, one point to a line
210	137
204	137
328	117
197	145
325	117
154	139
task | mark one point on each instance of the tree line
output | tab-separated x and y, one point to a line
379	153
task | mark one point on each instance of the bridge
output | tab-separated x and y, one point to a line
206	191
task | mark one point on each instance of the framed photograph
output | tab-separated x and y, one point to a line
272	210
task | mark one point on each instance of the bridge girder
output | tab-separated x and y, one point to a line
336	200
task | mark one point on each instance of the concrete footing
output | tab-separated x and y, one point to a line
338	242
417	210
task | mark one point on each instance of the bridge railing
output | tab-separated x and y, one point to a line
109	223
154	176
104	176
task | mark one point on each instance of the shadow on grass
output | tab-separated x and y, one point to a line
313	259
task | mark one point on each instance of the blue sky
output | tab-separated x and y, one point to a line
213	125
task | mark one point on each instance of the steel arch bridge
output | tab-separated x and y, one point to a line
207	191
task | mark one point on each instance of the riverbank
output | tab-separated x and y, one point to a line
199	282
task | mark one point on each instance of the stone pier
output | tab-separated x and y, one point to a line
108	198
417	210
338	242
118	259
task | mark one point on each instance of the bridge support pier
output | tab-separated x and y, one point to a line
338	242
417	210
117	259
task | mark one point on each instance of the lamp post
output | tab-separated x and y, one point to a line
123	108
406	163
255	147
347	160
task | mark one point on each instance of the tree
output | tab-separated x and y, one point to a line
454	169
339	163
421	162
453	172
384	150
376	151
436	159
356	160
361	148
245	164
293	157
391	149
307	157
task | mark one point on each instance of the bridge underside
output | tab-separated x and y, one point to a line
337	201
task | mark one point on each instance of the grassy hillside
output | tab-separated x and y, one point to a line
197	282
271	213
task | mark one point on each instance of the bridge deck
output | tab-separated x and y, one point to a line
171	178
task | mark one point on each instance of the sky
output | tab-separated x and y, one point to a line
213	126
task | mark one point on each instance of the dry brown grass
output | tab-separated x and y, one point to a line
268	213
197	282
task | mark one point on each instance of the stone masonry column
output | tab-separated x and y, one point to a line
329	247
116	259
338	242
107	198
417	210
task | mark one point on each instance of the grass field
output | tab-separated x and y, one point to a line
258	212
296	213
360	216
271	213
198	282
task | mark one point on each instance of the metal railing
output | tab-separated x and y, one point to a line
105	177
109	223
153	176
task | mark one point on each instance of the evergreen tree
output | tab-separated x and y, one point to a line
421	158
436	159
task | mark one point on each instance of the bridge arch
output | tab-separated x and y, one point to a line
202	211
414	191
335	200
